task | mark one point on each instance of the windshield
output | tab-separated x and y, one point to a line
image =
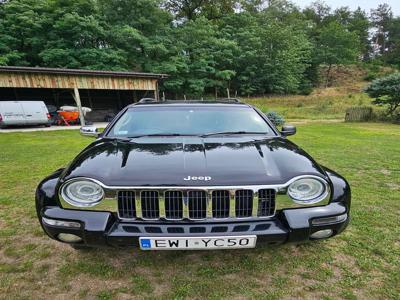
189	120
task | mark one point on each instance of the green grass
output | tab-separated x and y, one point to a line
361	263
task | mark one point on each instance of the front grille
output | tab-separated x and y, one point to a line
244	203
197	201
150	205
266	202
175	204
220	204
126	204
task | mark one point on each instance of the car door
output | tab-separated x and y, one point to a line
12	113
35	112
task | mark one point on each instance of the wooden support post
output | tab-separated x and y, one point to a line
77	99
157	92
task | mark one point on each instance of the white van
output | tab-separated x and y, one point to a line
21	113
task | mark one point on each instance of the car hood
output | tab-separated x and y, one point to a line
170	161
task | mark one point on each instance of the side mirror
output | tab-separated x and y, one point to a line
89	131
288	130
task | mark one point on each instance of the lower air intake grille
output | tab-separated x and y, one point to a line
220	204
173	205
244	203
266	202
126	204
197	204
150	205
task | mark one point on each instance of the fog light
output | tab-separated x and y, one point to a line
329	220
322	234
69	224
69	238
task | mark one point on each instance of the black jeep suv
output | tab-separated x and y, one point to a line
192	175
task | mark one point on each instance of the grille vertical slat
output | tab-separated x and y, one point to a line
244	203
266	202
197	202
150	205
126	204
220	204
173	204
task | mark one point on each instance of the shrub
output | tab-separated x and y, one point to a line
276	118
386	92
370	76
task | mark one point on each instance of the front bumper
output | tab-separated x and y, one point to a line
104	229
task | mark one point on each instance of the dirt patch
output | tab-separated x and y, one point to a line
385	172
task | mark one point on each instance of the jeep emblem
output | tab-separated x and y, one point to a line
200	178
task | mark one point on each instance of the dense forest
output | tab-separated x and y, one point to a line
250	47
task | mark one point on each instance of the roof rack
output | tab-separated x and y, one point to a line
229	100
147	100
236	100
152	100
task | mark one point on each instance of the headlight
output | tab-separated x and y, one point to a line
307	190
82	193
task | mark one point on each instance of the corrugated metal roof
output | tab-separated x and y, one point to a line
81	72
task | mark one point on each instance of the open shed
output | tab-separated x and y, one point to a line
105	92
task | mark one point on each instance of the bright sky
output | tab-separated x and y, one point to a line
364	4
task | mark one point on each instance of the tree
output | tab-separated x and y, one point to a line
203	59
355	21
393	43
21	32
317	12
381	18
336	45
360	25
191	9
141	29
386	91
251	6
66	34
273	55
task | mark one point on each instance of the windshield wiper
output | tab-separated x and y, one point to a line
231	132
157	134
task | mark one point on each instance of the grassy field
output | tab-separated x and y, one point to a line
362	263
323	104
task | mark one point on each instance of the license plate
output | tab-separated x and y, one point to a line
197	243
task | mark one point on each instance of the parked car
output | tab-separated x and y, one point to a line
192	175
23	113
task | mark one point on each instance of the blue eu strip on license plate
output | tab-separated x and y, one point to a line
197	243
145	243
